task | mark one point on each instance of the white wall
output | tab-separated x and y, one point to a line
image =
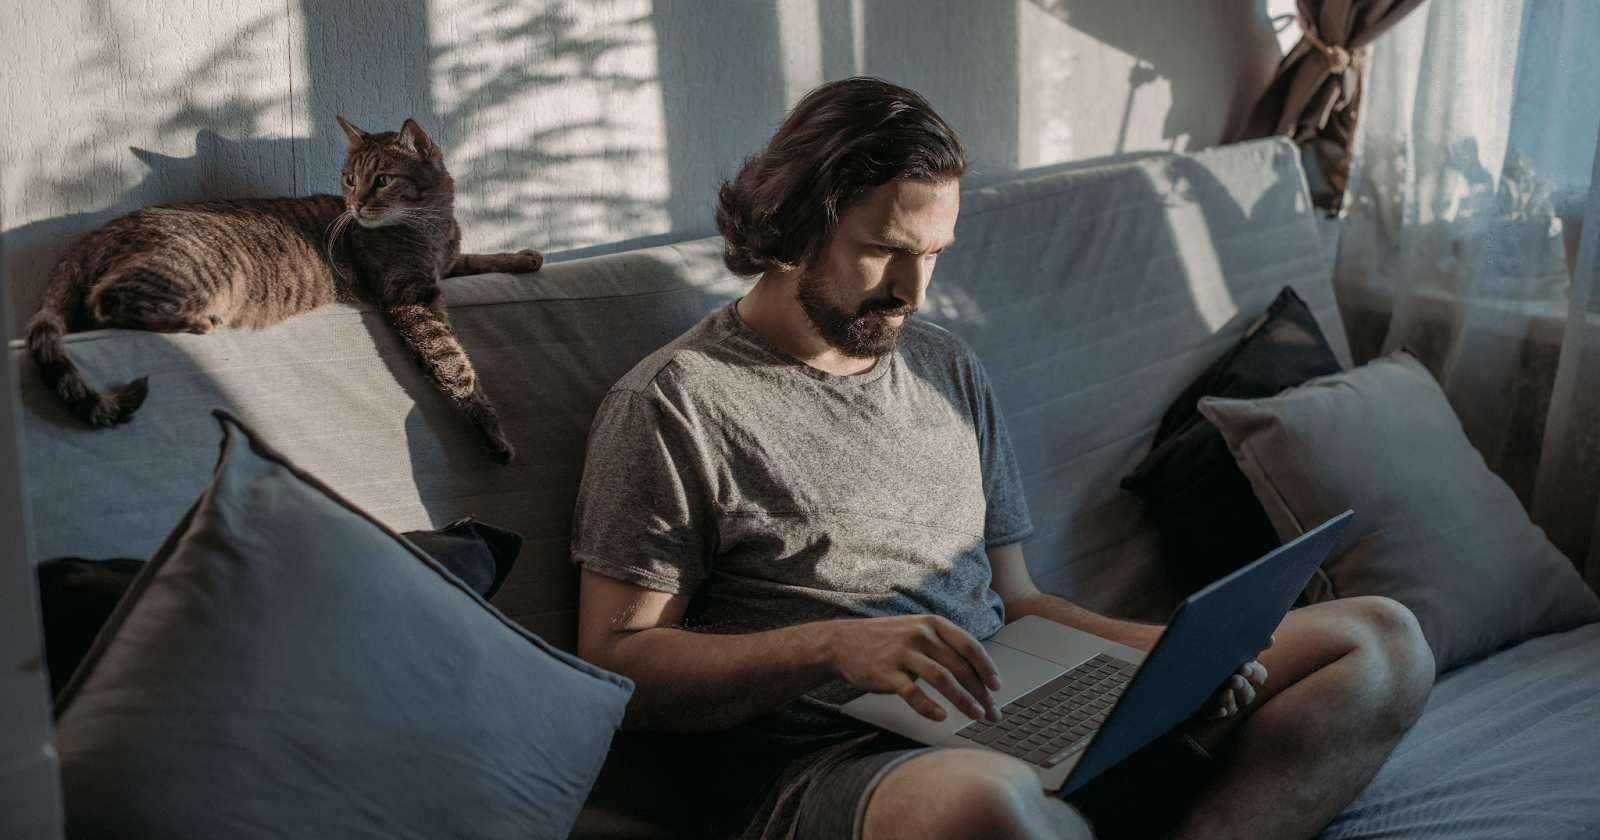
572	126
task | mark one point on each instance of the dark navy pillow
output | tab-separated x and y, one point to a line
1209	517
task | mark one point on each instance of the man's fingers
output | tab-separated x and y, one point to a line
959	658
972	700
983	668
891	654
1225	703
919	700
1244	693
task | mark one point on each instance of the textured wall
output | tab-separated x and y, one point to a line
572	126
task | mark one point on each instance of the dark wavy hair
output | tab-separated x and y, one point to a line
842	140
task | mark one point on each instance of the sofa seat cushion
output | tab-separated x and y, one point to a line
285	666
1506	748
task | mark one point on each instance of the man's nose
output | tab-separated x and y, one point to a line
911	280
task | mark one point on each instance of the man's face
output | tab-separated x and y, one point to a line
875	270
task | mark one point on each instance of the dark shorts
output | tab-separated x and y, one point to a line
1142	797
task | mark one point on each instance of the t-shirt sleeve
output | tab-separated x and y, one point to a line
1007	519
640	514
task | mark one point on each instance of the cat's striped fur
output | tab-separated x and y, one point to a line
251	263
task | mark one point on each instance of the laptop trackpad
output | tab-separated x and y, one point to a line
1063	645
1023	672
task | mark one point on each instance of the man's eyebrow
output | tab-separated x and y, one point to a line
903	245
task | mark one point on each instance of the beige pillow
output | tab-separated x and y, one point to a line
1434	528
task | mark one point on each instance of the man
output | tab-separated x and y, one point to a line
810	495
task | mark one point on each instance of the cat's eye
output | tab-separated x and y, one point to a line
349	180
383	180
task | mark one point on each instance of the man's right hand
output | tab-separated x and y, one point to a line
887	655
686	681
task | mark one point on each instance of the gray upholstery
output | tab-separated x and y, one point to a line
1433	527
1093	296
286	667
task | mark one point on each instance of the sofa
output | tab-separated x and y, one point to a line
266	675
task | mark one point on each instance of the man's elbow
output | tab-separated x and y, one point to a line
605	649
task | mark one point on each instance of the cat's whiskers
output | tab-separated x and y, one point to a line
417	219
336	229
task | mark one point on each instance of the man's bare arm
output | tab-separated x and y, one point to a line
688	681
1016	589
1015	586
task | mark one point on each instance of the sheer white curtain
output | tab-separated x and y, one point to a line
1468	233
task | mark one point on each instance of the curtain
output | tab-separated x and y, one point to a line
1468	230
1315	94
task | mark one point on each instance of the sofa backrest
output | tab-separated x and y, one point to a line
1092	295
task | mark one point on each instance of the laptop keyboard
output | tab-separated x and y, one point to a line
1049	724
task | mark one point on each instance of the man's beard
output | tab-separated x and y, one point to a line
864	334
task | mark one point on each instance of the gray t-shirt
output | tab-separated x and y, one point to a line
776	494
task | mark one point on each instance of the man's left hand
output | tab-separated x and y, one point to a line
1239	691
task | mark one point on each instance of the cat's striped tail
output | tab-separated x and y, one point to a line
45	344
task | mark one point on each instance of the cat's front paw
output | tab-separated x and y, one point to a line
529	260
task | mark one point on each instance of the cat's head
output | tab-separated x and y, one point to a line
393	176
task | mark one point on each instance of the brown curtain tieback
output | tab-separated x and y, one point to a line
1339	58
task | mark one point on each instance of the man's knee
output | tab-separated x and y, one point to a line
1396	668
1395	632
1389	629
967	793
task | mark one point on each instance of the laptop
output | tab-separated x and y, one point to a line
1074	704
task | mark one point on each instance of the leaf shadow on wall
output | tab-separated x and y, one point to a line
1196	66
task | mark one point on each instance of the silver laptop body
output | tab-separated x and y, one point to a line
1139	696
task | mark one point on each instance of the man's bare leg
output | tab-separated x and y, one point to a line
1346	679
960	793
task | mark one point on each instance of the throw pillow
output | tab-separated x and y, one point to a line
288	667
477	552
1434	528
1208	516
76	595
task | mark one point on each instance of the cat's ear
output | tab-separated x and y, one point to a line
352	134
414	139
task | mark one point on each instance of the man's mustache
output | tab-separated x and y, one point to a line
891	308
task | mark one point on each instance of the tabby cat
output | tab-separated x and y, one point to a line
251	263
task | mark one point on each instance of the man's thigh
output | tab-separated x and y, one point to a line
966	793
836	796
